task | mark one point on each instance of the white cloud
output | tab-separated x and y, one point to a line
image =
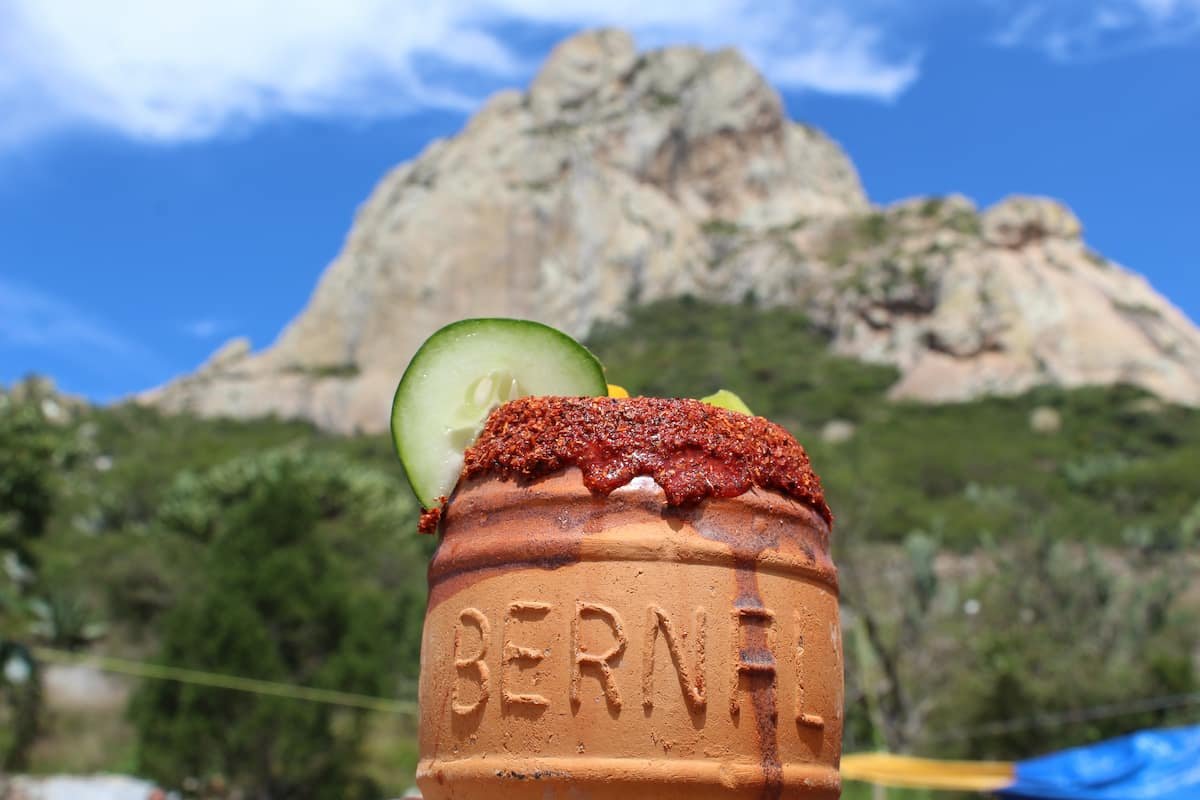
204	328
1165	9
173	71
1078	30
822	45
33	319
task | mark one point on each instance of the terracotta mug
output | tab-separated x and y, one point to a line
586	646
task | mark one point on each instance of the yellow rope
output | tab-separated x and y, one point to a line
927	773
235	682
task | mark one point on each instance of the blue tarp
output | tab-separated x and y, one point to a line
1149	765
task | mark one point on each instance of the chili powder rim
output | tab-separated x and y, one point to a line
691	449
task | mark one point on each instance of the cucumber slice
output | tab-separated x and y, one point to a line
464	371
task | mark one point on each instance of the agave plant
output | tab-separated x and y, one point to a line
62	619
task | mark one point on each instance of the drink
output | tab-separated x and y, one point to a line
632	598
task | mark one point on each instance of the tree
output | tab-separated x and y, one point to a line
21	692
1027	643
29	452
892	606
275	601
1069	640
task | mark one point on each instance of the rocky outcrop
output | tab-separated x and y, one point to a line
1000	302
622	177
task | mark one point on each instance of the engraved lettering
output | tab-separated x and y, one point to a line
803	719
475	663
602	662
519	654
757	658
693	693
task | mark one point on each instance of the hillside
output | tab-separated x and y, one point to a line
1072	510
620	178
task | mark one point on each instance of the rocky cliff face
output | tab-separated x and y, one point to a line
621	178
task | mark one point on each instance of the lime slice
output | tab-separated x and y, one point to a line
464	371
723	398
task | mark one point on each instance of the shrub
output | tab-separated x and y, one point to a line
275	602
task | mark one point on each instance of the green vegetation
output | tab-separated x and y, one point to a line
720	227
264	549
656	100
931	207
31	451
1137	309
347	370
770	357
555	129
863	233
1096	259
966	222
1121	463
992	568
872	229
1058	549
799	223
278	593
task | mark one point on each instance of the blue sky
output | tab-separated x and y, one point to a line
170	178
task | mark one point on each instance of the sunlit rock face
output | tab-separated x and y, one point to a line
622	177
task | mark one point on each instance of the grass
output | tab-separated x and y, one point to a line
82	742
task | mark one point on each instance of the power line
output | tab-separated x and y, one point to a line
142	669
238	683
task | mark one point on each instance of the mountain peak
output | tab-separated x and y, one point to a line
623	177
1019	219
579	68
